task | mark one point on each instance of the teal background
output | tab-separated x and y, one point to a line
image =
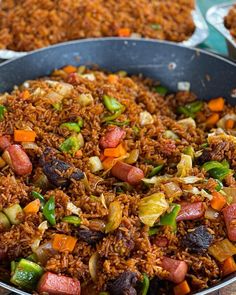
215	41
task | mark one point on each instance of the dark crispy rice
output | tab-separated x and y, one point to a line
129	247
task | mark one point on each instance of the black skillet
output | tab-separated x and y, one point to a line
209	75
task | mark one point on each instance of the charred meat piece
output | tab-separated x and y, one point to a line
205	156
198	240
123	285
158	287
89	236
59	173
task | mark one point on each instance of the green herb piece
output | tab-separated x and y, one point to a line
112	104
145	285
49	211
71	126
2	112
37	195
189	150
219	173
155	171
153	231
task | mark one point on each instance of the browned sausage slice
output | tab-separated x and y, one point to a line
230	221
16	157
112	137
54	284
177	269
4	142
191	211
127	173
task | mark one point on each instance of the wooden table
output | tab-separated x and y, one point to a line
230	290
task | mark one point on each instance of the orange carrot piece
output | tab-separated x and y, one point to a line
24	135
63	243
218	201
217	104
79	154
229	124
112	79
108	163
25	94
32	207
117	152
213	119
182	288
228	266
124	32
69	69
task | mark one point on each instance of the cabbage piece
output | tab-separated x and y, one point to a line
185	166
152	207
188	122
114	216
145	118
222	250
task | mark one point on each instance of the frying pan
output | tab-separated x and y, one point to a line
209	75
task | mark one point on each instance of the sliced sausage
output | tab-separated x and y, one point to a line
112	137
54	284
4	142
230	221
177	269
191	211
127	173
18	160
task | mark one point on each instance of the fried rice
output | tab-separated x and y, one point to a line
114	241
31	24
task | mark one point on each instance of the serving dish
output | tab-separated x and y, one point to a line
163	61
199	35
215	16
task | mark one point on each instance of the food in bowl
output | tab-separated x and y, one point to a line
111	184
31	24
230	21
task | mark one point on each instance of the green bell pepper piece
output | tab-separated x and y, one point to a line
2	112
80	122
189	150
145	285
32	257
155	171
219	173
49	211
211	165
225	164
71	126
75	220
71	145
112	104
195	106
170	218
112	117
117	123
37	195
153	231
26	274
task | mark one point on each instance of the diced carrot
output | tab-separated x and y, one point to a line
124	32
25	94
229	124
32	207
213	119
69	69
228	266
218	201
24	135
63	243
115	152
108	163
217	104
113	79
79	154
182	289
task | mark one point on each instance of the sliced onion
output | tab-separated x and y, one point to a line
206	195
103	201
156	179
95	164
133	157
172	190
184	166
145	118
190	179
171	135
93	266
85	99
188	122
73	209
44	252
6	157
54	97
183	86
90	77
211	214
29	145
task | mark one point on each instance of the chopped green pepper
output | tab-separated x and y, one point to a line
155	170
112	104
153	231
71	145
189	150
161	89
219	185
26	274
136	130
219	173
145	285
57	106
13	266
156	27
225	164
117	123
185	111
211	165
170	218
2	112
49	211
71	126
204	145
80	122
112	117
75	220
32	257
190	109
37	195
